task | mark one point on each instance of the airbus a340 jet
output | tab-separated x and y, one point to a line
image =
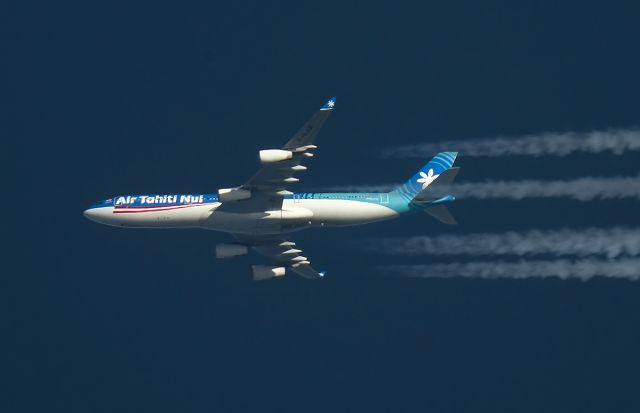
263	212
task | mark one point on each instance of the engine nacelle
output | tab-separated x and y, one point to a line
231	250
274	155
265	272
233	194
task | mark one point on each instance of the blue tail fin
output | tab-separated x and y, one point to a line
418	182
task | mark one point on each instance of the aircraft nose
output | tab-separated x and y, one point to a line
101	214
91	214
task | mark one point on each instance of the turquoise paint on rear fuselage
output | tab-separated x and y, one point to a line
393	200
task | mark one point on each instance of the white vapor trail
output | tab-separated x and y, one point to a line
616	141
583	269
609	242
580	189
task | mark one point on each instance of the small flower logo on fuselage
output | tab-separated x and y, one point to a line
427	178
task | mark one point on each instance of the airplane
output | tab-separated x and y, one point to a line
262	213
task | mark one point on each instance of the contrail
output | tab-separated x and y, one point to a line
580	189
583	269
608	242
616	141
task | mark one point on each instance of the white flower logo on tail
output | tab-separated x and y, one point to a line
427	178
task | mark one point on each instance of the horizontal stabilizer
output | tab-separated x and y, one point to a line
440	187
447	177
442	214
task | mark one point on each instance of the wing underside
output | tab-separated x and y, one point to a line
282	253
274	178
267	189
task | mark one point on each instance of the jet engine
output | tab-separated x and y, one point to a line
274	155
265	272
233	194
230	250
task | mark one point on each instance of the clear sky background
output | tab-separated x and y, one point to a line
102	99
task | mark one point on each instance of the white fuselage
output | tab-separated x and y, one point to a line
295	214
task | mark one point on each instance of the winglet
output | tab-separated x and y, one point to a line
322	273
330	104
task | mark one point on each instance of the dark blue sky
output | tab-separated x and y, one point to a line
105	99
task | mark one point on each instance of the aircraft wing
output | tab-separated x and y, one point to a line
281	253
274	177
